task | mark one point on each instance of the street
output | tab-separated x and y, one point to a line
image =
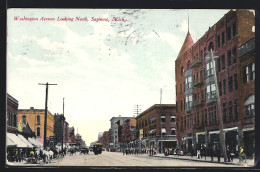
118	159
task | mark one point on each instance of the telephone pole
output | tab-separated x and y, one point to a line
62	124
137	110
161	120
45	116
221	132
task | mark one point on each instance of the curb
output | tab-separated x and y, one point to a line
227	163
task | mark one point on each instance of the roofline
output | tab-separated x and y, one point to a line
156	106
178	57
12	98
34	110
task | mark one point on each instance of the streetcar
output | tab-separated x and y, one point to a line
97	148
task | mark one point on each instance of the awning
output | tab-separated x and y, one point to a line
19	143
10	143
163	130
39	143
29	145
33	142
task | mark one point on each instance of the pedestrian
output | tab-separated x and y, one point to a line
211	151
228	153
218	153
192	151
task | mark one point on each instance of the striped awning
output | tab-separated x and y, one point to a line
10	143
19	143
29	145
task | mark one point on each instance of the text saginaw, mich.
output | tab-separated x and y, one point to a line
69	19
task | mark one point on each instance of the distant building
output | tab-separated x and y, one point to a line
155	125
35	118
59	128
115	121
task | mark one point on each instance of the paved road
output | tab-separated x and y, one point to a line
118	159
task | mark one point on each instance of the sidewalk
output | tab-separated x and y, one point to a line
249	162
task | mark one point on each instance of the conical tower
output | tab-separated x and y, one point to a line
188	42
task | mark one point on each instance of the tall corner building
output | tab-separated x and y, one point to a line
231	43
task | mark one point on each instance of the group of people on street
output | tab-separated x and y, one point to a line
34	155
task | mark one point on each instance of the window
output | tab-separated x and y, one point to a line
250	107
201	55
210	115
188	65
249	73
182	70
211	91
223	62
198	118
209	68
188	82
181	105
234	54
220	88
235	81
188	102
215	114
145	122
206	117
230	111
38	132
202	95
230	83
15	120
163	119
218	64
224	113
235	109
173	119
224	86
228	33
234	29
218	41
229	58
181	123
38	120
24	119
223	38
173	131
163	131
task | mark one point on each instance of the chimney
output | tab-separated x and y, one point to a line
31	108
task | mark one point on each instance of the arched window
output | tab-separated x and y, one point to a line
38	132
38	120
211	46
24	119
250	106
188	65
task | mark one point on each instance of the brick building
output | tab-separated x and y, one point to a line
128	135
59	129
35	118
11	115
196	100
155	124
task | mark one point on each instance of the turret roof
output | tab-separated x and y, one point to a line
188	43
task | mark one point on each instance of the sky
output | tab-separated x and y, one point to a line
102	69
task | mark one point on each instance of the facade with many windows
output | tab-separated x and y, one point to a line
35	118
155	125
196	90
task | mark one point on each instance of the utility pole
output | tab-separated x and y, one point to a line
62	124
161	120
221	132
45	116
137	110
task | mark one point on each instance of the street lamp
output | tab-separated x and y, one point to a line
161	119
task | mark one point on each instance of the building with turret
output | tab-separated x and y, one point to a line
230	42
